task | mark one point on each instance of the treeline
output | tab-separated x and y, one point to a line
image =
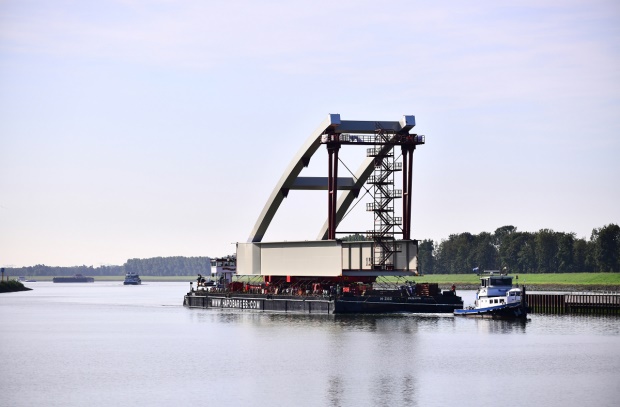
169	266
544	251
157	266
43	270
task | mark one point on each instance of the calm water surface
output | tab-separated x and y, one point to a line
105	344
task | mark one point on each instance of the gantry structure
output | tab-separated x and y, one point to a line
390	232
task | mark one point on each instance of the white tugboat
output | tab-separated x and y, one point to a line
497	299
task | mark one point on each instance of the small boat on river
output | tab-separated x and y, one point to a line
497	299
132	278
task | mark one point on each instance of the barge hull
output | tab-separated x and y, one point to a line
73	280
323	305
260	303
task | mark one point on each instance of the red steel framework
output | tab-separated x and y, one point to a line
382	179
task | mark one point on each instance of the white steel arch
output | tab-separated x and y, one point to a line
291	180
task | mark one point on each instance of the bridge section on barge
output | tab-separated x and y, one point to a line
385	250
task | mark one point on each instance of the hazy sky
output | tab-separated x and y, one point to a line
151	128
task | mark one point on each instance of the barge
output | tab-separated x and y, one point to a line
339	271
78	278
348	299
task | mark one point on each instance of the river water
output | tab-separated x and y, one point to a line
105	344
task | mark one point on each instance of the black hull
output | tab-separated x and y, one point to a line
73	280
361	305
326	305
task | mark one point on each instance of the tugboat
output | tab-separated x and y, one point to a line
497	299
132	278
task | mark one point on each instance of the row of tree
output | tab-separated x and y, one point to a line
43	270
169	266
544	251
157	266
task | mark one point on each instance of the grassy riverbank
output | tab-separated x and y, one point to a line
12	286
555	282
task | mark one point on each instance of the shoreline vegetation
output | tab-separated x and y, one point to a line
534	282
11	286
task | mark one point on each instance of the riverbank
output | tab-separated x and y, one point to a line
571	288
536	282
12	286
171	279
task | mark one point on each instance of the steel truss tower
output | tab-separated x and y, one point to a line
384	194
384	165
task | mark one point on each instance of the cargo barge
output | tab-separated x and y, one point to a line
78	278
349	299
339	271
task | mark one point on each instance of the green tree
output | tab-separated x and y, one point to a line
510	249
485	252
357	237
503	233
463	252
546	250
607	248
426	257
565	253
527	254
580	256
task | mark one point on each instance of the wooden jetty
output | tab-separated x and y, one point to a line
574	303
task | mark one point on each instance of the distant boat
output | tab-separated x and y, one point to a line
77	278
497	299
132	278
23	279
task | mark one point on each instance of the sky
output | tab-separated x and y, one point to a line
137	129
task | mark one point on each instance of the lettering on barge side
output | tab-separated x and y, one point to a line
234	303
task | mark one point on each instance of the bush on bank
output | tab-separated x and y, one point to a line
12	286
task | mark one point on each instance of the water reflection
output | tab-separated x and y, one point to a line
335	391
408	391
577	324
382	390
246	358
498	326
385	397
407	324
